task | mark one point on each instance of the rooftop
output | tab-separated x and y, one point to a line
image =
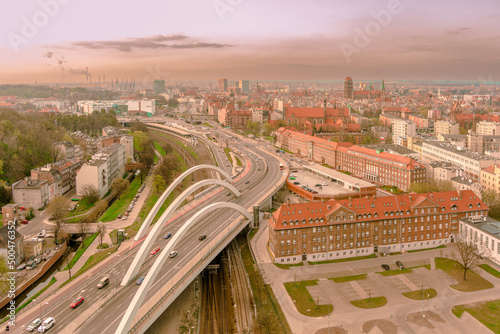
465	153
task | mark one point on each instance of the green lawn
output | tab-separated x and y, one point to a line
227	150
327	166
425	249
395	272
238	162
83	206
371	256
160	149
252	233
287	266
486	312
490	270
419	295
303	300
121	204
208	125
83	247
180	143
373	302
342	279
474	282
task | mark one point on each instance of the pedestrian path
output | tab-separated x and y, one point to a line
408	282
360	291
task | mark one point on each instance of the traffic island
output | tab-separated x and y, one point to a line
303	300
421	294
422	318
342	279
474	282
372	302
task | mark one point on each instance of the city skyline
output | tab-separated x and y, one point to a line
56	40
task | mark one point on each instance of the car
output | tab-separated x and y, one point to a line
228	194
292	178
21	266
103	282
154	251
140	280
168	235
25	221
295	171
119	217
34	325
247	182
46	325
202	237
325	184
296	183
76	302
400	264
124	217
386	267
42	234
317	185
314	192
258	169
172	254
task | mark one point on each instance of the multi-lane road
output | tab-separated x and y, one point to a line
258	181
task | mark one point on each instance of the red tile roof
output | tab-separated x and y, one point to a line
377	208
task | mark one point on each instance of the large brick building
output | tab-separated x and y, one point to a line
370	164
354	227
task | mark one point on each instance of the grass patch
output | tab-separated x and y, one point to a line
103	246
269	313
485	312
303	300
121	204
160	149
238	162
52	281
425	249
327	166
92	261
474	282
373	302
395	272
421	295
83	206
393	189
208	125
371	256
342	279
395	253
83	247
344	171
287	266
186	147
490	270
227	150
252	233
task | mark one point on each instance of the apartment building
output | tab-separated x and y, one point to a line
31	193
441	170
444	127
361	226
490	178
485	233
488	128
483	143
402	128
470	162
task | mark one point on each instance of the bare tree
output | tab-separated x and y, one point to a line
467	252
101	229
83	227
90	192
58	208
99	208
119	185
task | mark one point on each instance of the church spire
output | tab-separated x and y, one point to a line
383	85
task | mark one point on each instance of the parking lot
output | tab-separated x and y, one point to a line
316	184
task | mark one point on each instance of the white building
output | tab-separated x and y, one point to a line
443	127
487	128
485	233
402	128
95	173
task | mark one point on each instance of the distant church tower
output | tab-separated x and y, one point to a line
348	88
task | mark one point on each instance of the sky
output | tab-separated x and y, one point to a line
56	40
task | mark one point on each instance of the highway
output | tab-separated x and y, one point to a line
259	182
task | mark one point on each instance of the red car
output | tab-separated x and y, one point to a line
77	302
154	251
25	222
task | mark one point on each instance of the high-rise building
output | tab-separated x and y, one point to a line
159	87
244	86
348	88
222	85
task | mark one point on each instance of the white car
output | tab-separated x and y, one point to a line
46	325
34	325
172	254
325	184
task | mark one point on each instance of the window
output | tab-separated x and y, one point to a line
303	236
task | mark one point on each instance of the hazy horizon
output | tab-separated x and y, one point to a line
56	40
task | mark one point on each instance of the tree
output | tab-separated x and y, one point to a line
99	208
58	208
158	183
266	129
432	186
119	185
466	252
253	127
3	271
101	229
91	193
83	227
489	197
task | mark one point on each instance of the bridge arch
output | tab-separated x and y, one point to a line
141	255
149	219
136	303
